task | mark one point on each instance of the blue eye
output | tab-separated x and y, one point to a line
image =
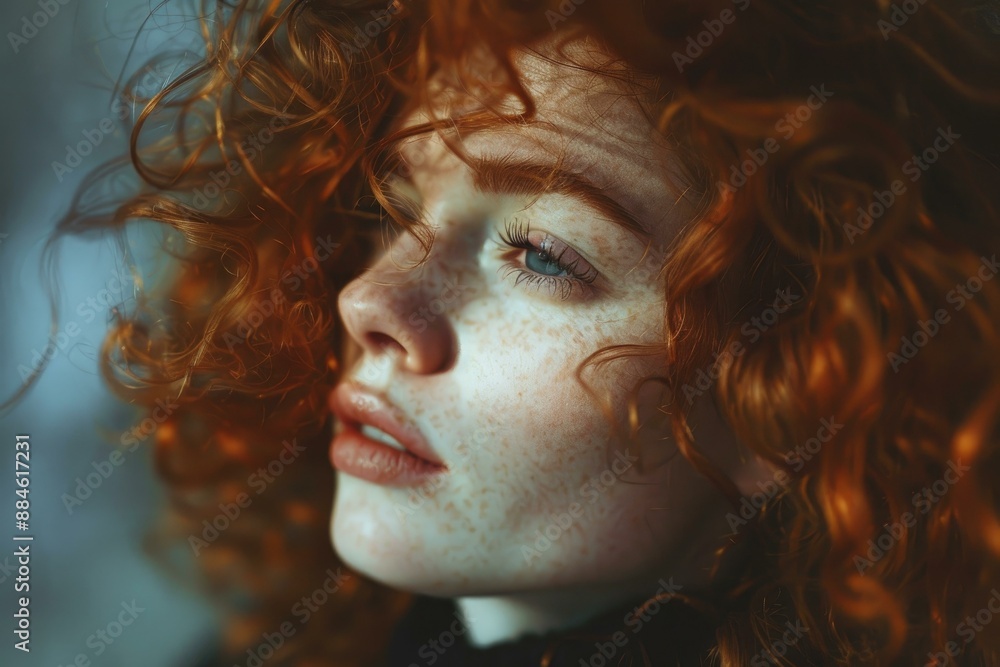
540	261
547	261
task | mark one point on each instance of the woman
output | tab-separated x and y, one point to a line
651	334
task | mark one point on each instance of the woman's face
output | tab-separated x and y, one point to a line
478	349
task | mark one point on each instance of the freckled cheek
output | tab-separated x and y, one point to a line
551	437
549	427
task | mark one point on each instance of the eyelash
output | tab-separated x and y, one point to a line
515	235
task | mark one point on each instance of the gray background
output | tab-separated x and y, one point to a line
87	563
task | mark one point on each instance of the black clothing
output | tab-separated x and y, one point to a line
432	634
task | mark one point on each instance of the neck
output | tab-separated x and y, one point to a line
495	619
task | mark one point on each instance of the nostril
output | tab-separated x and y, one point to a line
381	342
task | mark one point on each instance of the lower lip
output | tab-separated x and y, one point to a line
374	461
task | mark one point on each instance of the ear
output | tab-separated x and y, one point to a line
714	438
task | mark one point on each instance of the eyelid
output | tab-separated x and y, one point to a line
400	189
520	236
564	255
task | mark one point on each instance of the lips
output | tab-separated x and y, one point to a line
375	440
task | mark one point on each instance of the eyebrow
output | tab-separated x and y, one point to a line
510	176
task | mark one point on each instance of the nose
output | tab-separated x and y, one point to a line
402	310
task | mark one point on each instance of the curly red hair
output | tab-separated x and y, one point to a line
805	132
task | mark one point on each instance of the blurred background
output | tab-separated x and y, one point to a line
96	598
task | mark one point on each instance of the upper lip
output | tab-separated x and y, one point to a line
355	405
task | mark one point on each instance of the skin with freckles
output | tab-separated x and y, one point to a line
544	517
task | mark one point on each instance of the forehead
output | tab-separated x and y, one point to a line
589	119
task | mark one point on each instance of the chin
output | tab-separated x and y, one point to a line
369	537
